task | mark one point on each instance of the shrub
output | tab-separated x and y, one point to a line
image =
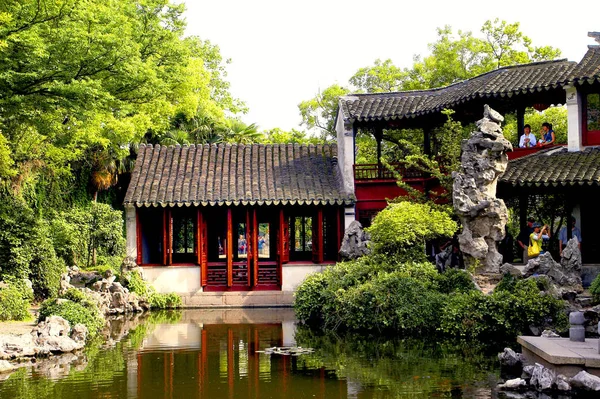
310	298
595	289
74	313
454	280
164	301
402	228
12	304
505	313
390	302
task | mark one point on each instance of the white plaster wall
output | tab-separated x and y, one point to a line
293	275
179	279
345	143
574	121
131	231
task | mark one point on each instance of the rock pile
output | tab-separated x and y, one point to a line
51	336
564	277
538	378
482	215
110	295
355	242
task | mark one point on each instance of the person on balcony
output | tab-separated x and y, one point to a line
527	139
548	136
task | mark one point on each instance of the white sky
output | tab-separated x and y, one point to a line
283	52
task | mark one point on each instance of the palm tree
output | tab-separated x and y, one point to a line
240	133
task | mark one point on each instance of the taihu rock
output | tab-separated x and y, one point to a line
514	384
542	378
586	381
483	216
565	276
509	358
355	242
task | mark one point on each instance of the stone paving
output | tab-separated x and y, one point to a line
561	352
238	299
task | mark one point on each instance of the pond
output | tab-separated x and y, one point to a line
213	354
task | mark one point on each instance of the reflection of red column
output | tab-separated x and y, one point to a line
139	375
171	367
256	362
204	354
230	361
285	372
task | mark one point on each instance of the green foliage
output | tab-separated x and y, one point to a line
12	304
164	301
74	313
595	289
84	235
135	283
402	228
454	280
507	312
319	112
26	251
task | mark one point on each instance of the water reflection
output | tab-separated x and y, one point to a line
213	354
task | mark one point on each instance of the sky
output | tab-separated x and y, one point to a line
284	52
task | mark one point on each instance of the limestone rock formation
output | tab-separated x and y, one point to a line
565	276
355	242
483	216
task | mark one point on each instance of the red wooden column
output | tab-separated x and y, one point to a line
169	237
229	248
202	248
165	240
283	244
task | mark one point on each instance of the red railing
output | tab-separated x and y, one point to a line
521	152
375	171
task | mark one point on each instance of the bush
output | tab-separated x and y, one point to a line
595	289
402	228
390	302
12	304
506	313
74	313
454	280
164	301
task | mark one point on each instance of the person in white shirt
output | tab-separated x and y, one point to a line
528	138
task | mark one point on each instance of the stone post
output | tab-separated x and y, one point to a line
576	331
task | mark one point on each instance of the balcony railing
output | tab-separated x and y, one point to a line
363	172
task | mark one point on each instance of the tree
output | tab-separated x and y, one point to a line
79	75
380	78
319	112
279	136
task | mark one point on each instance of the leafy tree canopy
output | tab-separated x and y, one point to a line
81	77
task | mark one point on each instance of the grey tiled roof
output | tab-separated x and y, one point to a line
503	82
236	174
554	167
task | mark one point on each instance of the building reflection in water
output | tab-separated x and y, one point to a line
214	355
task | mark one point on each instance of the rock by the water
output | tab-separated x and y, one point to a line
79	333
562	383
542	378
509	358
6	366
483	216
355	242
515	383
586	381
527	371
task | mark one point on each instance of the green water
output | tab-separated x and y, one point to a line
212	354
